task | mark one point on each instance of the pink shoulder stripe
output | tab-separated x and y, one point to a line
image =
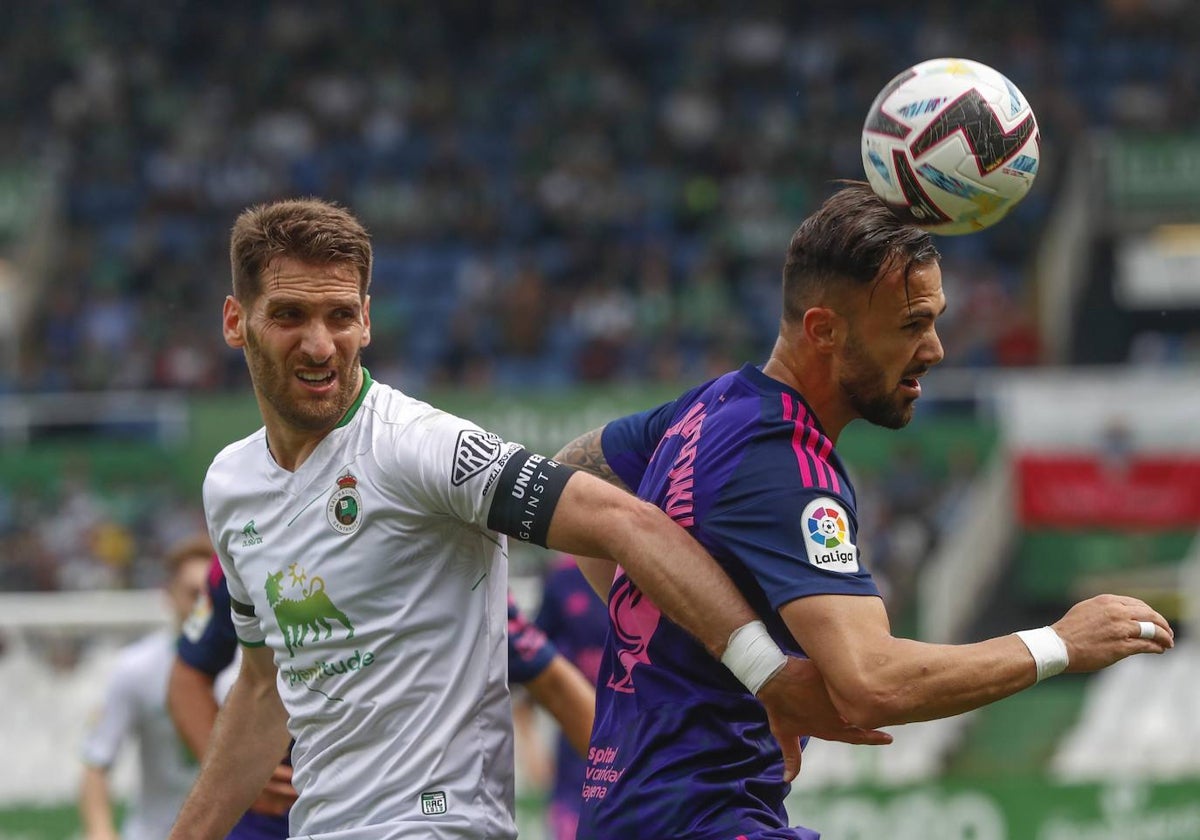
811	447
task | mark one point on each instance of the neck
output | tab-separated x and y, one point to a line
291	446
810	373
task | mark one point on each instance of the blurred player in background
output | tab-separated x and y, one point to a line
135	707
552	680
361	536
577	623
747	463
207	649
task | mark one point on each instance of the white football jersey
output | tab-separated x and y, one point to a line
371	573
135	705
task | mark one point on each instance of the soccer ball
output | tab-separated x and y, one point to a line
951	145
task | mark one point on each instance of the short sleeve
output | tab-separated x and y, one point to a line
529	651
448	462
246	623
796	544
113	721
208	641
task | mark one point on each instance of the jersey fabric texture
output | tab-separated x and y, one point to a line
135	706
372	575
209	644
680	747
576	621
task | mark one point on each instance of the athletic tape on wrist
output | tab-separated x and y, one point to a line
752	655
1048	649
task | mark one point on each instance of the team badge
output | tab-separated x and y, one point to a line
344	510
827	536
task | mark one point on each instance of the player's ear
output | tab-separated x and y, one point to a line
366	316
822	327
233	322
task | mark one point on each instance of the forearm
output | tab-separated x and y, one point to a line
665	562
95	806
566	694
249	737
875	679
192	706
907	681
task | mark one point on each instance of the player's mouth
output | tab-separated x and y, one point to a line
317	380
911	385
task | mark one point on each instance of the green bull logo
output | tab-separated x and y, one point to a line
313	612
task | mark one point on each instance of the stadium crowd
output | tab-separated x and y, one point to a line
558	193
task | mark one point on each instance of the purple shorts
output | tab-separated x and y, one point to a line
254	826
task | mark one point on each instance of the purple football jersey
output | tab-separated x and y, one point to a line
680	748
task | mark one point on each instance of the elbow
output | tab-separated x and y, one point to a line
869	706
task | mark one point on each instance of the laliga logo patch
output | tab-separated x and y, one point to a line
827	536
344	510
197	621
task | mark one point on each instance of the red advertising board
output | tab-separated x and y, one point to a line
1138	493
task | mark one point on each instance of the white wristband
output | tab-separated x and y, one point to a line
752	655
1048	649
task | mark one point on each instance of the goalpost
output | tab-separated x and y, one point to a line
56	653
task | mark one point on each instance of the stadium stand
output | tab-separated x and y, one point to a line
562	196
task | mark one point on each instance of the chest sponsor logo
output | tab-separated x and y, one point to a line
311	614
344	510
476	451
827	536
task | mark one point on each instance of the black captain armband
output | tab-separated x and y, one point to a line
527	493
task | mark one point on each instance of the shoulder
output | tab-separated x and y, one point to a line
230	462
389	412
143	656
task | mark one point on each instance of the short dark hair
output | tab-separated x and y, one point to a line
850	239
307	229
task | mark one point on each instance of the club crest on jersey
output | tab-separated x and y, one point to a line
344	510
827	536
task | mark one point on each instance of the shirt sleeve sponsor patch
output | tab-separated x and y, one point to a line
827	536
475	451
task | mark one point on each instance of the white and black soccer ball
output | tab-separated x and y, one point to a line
951	145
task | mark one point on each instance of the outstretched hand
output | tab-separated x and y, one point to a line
1107	628
797	704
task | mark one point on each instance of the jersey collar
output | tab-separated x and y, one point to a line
358	401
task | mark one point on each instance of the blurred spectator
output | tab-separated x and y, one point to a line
578	193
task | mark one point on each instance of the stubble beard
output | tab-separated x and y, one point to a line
865	385
272	382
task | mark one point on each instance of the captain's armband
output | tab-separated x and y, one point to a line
527	492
